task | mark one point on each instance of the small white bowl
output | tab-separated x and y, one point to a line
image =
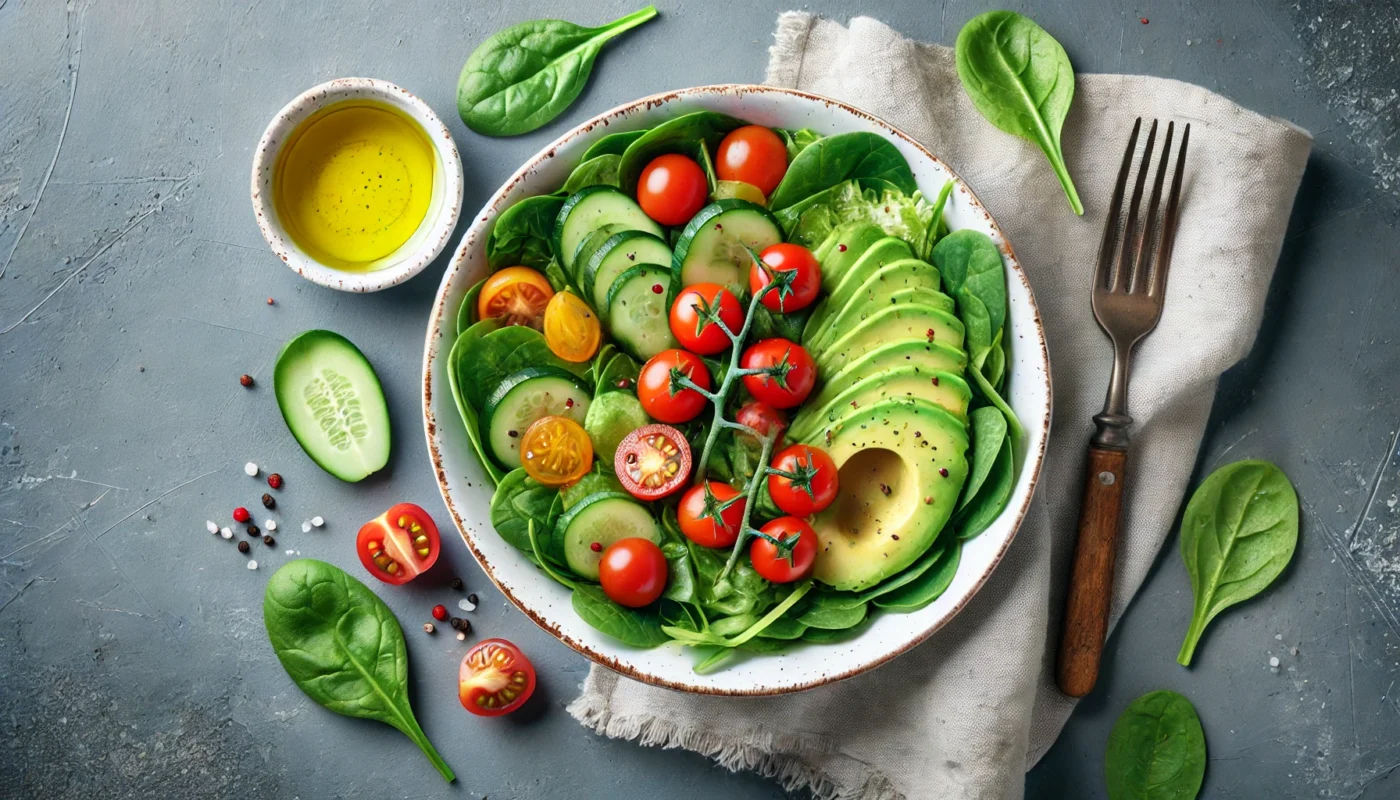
432	234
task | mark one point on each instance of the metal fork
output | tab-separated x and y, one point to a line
1128	294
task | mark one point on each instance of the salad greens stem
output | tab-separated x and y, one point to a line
752	491
720	395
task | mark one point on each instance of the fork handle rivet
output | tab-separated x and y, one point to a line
1107	478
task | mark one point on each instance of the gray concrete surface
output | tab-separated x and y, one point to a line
131	642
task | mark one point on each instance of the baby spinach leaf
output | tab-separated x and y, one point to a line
621	367
343	647
978	515
937	227
1238	533
1020	79
600	479
783	628
490	358
970	265
614	144
1157	750
833	616
598	170
988	431
834	159
518	501
833	635
680	571
927	587
636	627
466	312
458	378
526	75
990	394
523	232
680	135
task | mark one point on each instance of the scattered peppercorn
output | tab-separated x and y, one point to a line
439	612
841	247
462	625
624	383
928	501
246	380
596	547
274	480
894	536
269	541
270	301
943	471
428	627
241	514
471	598
253	531
457	584
243	547
268	501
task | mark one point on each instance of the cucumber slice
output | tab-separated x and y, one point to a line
711	248
602	518
636	311
523	398
588	247
333	404
589	209
618	254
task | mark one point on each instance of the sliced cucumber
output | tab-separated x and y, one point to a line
711	247
619	253
523	398
333	404
589	209
602	519
588	247
636	311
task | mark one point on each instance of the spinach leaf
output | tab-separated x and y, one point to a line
526	75
988	431
1238	533
970	265
783	628
490	358
614	144
621	367
994	367
458	378
680	571
1157	750
927	587
343	647
680	135
832	160
978	515
937	227
523	232
600	479
598	170
466	312
834	635
990	394
518	501
637	627
1020	79
833	616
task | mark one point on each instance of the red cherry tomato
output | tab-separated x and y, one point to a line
398	545
633	572
702	519
752	154
662	398
806	281
810	484
495	678
780	567
693	329
672	188
763	418
797	372
653	462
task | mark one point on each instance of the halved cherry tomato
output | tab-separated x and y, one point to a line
692	326
806	282
495	678
518	295
633	572
672	188
556	451
704	517
763	418
571	328
752	154
398	545
792	381
810	483
780	567
661	394
653	461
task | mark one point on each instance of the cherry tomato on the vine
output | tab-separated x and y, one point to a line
794	372
672	188
806	278
809	484
518	295
694	329
633	572
661	395
495	678
704	517
398	545
780	567
571	329
652	462
556	451
752	154
763	418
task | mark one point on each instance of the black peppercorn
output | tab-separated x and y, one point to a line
253	531
269	541
268	502
457	583
243	547
471	598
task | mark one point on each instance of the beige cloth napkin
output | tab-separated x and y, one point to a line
965	714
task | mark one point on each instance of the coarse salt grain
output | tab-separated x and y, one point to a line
461	637
1273	662
211	526
306	527
251	469
271	524
317	521
466	605
252	565
226	533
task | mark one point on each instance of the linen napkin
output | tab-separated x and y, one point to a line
966	713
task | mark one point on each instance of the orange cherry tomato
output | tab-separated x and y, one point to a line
633	572
556	451
672	188
495	678
518	295
752	154
571	328
706	520
664	400
398	545
780	567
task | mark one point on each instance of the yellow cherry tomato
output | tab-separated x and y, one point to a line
556	451
518	295
571	328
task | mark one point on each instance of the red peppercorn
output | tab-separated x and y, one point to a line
439	612
241	514
596	547
274	480
246	380
270	301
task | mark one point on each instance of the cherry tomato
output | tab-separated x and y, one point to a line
495	678
796	372
672	188
752	154
693	329
763	418
556	451
702	519
518	295
653	461
810	484
806	282
785	567
633	572
571	328
662	397
398	545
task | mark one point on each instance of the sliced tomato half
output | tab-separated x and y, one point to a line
653	462
495	678
399	545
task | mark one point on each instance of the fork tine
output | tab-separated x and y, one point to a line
1105	273
1164	246
1127	266
1145	269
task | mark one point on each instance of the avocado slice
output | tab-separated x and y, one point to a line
874	287
896	323
861	309
843	247
886	250
902	465
944	389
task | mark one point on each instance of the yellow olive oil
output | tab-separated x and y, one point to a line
353	184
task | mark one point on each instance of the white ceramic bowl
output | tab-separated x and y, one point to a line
467	493
432	234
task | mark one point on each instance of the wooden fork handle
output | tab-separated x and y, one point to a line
1085	621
